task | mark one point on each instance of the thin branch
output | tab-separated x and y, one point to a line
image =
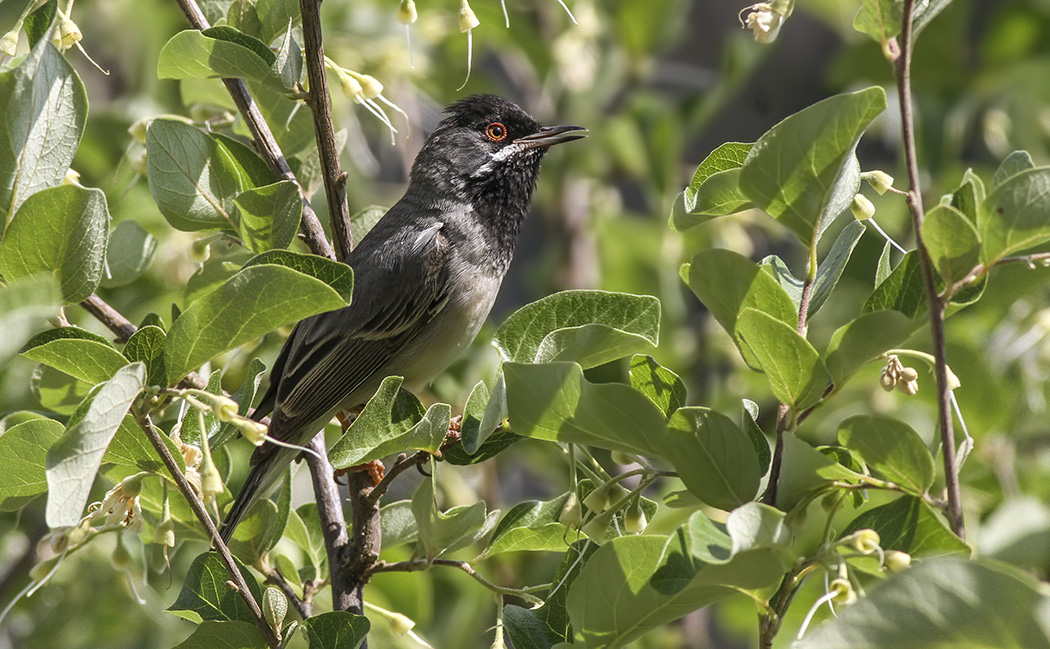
423	564
107	315
402	463
980	270
334	177
333	525
199	510
935	303
266	143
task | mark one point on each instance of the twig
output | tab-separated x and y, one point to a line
266	143
402	463
333	525
423	564
107	315
209	527
935	303
980	270
334	177
303	605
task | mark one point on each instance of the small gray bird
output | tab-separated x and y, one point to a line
425	278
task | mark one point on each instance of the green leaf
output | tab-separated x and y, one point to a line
23	451
289	62
891	448
57	391
73	461
803	171
129	447
364	220
61	231
883	270
336	630
25	306
909	525
715	187
861	341
880	19
554	402
951	239
796	374
713	457
130	252
804	471
147	346
588	327
528	527
470	433
398	524
1013	164
274	289
830	270
749	422
251	539
727	283
269	216
43	109
194	180
304	529
543	627
251	168
199	423
40	21
224	634
219	52
1013	217
661	385
902	291
792	285
1017	531
13	12
393	420
442	533
493	446
924	12
968	196
942	603
204	594
754	526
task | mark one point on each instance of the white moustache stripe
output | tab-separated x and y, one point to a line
499	156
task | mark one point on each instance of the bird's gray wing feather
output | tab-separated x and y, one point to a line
330	355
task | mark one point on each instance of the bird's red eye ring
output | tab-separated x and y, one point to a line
496	132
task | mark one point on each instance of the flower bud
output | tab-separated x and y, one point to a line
572	513
139	165
132	485
953	380
211	481
350	86
68	34
887	380
274	608
623	458
72	177
467	19
880	181
897	561
200	249
370	86
9	42
401	624
862	208
910	388
597	526
406	12
634	521
224	407
121	558
909	374
603	496
165	534
252	430
843	591
865	541
138	129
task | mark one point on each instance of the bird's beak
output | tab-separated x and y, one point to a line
548	136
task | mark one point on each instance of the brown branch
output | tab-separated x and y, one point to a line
197	505
980	270
934	302
402	463
334	176
266	143
107	315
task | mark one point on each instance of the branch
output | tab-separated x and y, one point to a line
980	270
209	527
934	302
265	143
402	463
107	315
423	564
334	176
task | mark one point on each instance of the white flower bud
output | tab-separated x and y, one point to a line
68	34
467	19
9	42
843	591
865	541
862	208
634	521
897	561
572	513
880	181
406	12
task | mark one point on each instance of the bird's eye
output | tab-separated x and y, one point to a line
496	132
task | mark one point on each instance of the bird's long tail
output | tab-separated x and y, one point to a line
258	484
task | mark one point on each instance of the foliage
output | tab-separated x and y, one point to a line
714	456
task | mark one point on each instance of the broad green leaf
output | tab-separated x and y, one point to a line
77	352
883	270
902	291
59	231
804	471
891	448
219	52
727	283
250	541
951	239
493	446
25	306
129	447
289	62
398	524
1017	531
661	385
909	525
363	221
588	327
250	167
880	19
336	630
540	628
830	269
193	179
40	21
129	253
147	345
23	452
792	285
754	526
796	374
442	533
1013	217
73	461
224	634
304	530
57	391
861	341
274	289
944	603
43	109
473	411
1013	164
268	217
968	196
714	458
803	171
204	594
530	526
714	189
749	422
245	397
554	402
393	420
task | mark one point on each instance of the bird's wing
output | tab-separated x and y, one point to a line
330	355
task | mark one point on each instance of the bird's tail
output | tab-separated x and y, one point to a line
258	484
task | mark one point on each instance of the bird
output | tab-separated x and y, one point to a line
425	278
